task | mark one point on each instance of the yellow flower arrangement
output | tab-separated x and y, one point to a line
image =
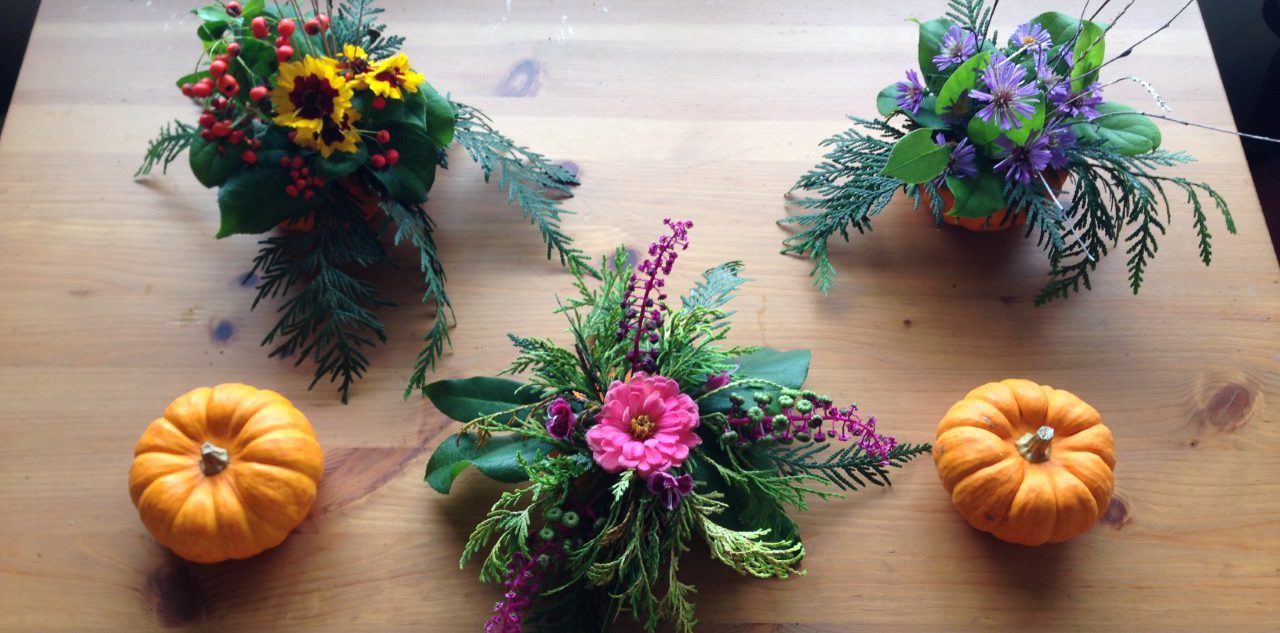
333	135
308	92
390	76
354	65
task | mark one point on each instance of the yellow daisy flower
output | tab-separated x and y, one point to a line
332	136
389	76
309	92
354	65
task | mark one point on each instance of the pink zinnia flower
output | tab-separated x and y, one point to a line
645	424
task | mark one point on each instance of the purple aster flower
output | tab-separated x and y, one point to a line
1082	104
958	45
1044	72
961	163
1023	162
1032	37
560	419
1059	139
910	92
670	489
1006	97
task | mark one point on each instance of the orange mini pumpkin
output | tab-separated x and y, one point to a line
1028	463
228	472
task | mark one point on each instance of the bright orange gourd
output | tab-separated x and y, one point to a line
1028	463
228	472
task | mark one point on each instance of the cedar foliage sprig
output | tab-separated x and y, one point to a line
169	143
357	24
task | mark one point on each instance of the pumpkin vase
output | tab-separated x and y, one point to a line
996	221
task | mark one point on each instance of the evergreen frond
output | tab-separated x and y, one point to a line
174	138
529	179
356	24
848	467
970	14
717	287
414	226
746	552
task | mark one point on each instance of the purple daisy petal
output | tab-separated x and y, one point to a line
910	93
1007	98
1031	37
958	45
962	163
1023	163
1077	104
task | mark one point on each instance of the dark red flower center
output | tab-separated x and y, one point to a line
391	76
332	133
313	96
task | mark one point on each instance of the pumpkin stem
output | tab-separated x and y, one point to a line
213	459
1034	446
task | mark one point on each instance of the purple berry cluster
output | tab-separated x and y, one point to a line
644	304
802	416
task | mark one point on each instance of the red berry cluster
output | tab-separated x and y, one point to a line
386	158
284	32
302	182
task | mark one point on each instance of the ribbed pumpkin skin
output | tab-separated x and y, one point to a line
265	490
1000	491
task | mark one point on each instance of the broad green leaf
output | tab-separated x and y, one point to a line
916	158
931	34
440	116
984	134
210	167
340	163
253	9
1061	27
192	78
788	369
1121	129
964	78
410	179
926	117
886	101
208	32
976	197
496	459
253	200
260	57
214	14
466	399
1088	54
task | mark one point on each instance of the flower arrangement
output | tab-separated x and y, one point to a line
313	121
644	434
986	135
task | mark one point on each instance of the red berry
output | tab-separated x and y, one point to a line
309	194
237	137
207	119
300	184
284	53
292	191
258	93
206	135
202	89
393	157
228	85
249	156
220	129
281	41
293	134
259	26
218	68
324	22
297	162
379	103
305	172
285	27
186	90
233	49
257	143
383	136
317	181
379	161
284	162
312	26
218	103
234	9
294	175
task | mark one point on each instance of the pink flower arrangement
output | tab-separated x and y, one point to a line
645	424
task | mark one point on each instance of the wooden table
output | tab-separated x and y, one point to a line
114	298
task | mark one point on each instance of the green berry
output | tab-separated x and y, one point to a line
570	519
553	514
766	441
804	406
785	440
761	397
736	398
755	414
786	401
729	437
790	393
815	421
544	561
802	436
780	422
547	534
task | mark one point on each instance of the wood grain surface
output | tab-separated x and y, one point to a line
115	298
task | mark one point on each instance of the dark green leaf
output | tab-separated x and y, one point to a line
984	134
214	14
961	81
253	9
260	57
254	201
976	197
212	162
496	459
1121	129
931	34
926	116
339	163
788	369
887	100
440	116
210	32
410	179
1061	27
1088	54
469	398
916	158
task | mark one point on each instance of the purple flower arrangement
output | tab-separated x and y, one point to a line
991	133
644	435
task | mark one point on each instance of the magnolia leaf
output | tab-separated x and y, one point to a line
964	79
496	458
340	163
441	119
789	369
259	56
887	100
931	34
977	197
1121	129
1087	55
214	14
212	162
253	200
469	398
411	177
916	158
1060	26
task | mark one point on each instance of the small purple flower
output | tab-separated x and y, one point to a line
958	45
560	419
962	161
1083	104
1023	162
1059	139
1044	72
670	489
1007	99
716	381
1032	37
910	92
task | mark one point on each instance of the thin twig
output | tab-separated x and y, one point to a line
1053	195
1150	35
1170	119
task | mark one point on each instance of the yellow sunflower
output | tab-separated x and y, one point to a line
389	76
333	135
354	65
308	93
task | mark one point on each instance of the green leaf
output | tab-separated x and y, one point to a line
340	163
976	197
496	459
788	369
1088	54
260	57
916	158
254	201
984	134
440	116
209	32
961	81
192	78
931	34
210	167
1061	27
214	14
1121	129
253	9
411	178
926	117
469	398
886	101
